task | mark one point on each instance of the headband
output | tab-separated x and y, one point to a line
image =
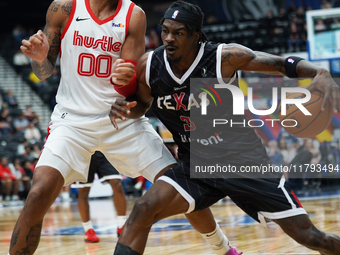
183	16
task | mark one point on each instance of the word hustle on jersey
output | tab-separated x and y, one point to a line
106	43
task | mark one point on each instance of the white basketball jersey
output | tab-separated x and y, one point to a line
89	47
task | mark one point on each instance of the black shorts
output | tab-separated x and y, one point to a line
101	166
259	198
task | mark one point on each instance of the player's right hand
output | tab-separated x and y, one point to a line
122	72
36	47
120	110
324	82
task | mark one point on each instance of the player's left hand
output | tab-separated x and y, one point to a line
324	82
120	110
36	47
122	72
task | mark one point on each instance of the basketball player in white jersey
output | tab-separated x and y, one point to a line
90	36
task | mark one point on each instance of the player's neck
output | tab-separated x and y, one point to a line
184	64
103	8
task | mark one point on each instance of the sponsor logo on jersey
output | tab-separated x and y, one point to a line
211	140
78	19
181	100
179	88
117	25
105	43
64	115
204	71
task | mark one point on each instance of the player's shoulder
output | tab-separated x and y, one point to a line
159	50
144	57
137	20
146	61
138	9
156	52
232	47
236	51
62	7
141	63
141	68
138	12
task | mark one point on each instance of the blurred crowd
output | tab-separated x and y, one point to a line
21	141
317	163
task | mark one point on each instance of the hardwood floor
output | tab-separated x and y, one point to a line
63	233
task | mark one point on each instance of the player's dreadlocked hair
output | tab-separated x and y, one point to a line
180	4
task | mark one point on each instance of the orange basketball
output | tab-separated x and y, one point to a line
307	125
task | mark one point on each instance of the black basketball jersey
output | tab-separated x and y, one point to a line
178	105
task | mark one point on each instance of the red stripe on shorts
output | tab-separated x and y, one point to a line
297	200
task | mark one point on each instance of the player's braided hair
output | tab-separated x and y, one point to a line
190	8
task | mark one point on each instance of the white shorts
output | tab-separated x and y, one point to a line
134	149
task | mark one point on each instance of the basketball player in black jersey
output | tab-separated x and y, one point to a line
164	82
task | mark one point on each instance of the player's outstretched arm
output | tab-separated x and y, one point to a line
237	57
43	47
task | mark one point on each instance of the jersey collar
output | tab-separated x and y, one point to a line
189	71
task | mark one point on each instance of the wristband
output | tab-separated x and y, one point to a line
129	89
290	66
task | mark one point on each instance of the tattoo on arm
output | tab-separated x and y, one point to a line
263	61
307	73
237	52
54	6
269	60
54	47
42	70
226	57
241	52
66	8
45	69
305	69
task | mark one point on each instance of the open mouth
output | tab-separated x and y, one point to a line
171	49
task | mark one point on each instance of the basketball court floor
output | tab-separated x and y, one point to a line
63	233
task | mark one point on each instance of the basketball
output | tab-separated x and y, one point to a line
307	125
